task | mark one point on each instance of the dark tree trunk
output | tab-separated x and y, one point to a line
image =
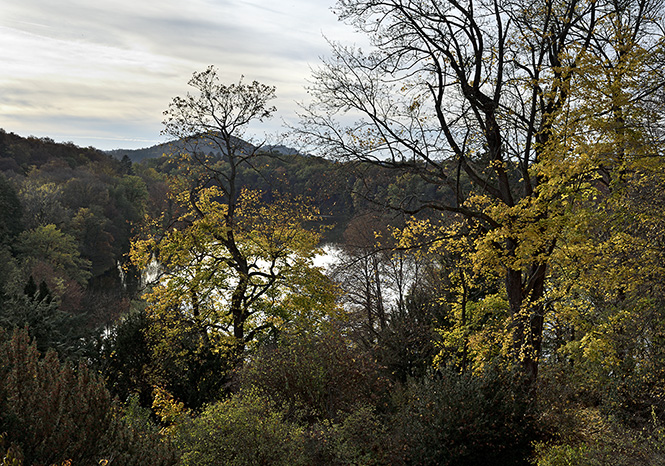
239	315
527	315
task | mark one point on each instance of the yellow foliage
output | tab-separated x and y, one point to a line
254	255
166	407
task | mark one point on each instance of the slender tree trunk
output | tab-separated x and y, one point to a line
381	313
465	297
239	317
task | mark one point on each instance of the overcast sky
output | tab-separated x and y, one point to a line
101	72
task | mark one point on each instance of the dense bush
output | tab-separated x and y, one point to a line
320	374
466	419
52	412
247	429
599	441
360	437
584	435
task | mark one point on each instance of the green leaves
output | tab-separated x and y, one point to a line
56	413
247	429
60	250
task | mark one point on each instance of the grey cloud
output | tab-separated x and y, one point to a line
128	58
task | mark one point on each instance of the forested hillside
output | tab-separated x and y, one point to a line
496	214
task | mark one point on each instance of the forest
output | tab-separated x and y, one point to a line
486	188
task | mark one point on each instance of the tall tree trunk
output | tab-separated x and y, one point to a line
239	317
527	316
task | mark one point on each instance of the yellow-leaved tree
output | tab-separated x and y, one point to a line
512	109
233	263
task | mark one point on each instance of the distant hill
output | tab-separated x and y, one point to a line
137	155
153	152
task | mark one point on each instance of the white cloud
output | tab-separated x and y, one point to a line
101	73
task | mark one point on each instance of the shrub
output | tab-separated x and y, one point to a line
467	419
51	410
320	374
247	429
53	413
359	438
596	439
